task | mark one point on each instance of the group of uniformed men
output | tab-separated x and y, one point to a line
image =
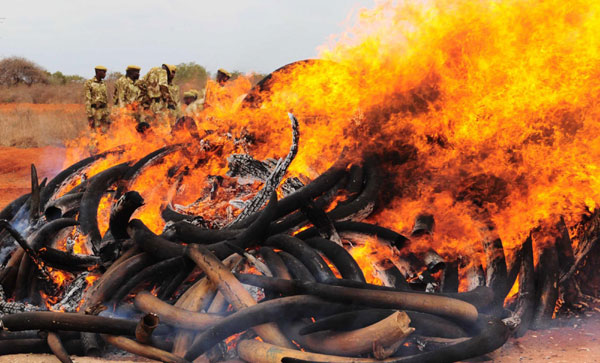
151	100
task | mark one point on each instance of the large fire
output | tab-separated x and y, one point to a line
474	108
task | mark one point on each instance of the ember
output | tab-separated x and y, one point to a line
438	194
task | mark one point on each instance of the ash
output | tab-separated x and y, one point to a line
14	307
72	298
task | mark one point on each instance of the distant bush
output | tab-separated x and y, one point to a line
191	73
256	77
18	70
59	78
113	76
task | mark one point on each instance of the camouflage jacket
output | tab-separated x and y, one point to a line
174	97
126	92
96	96
156	84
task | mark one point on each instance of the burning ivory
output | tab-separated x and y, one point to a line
307	277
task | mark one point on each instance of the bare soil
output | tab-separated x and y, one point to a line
572	340
567	340
15	169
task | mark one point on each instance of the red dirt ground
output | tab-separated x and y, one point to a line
15	169
573	340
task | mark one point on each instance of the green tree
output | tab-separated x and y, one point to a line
191	72
59	78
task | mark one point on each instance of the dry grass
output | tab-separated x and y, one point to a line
36	125
39	93
42	93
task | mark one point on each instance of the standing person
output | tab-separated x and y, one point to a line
126	90
159	94
194	101
214	92
193	106
189	97
222	77
96	101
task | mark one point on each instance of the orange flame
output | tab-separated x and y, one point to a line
59	277
368	257
90	279
479	111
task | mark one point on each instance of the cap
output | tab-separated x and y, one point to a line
191	93
100	68
132	67
172	68
221	70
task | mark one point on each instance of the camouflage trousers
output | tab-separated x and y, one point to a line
159	115
99	120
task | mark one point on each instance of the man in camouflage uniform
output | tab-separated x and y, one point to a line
193	105
96	101
194	101
215	90
126	90
222	77
190	96
159	94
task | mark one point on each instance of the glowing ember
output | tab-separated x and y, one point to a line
231	342
49	300
59	277
90	279
332	267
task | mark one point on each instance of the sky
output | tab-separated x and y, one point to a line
244	35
